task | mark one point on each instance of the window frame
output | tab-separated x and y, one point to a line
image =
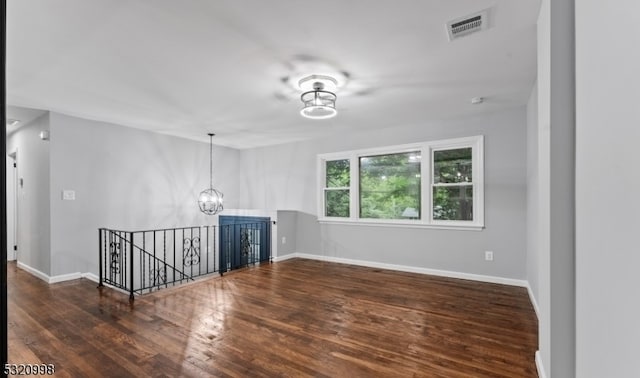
326	188
427	149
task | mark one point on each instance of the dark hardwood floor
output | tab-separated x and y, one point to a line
292	318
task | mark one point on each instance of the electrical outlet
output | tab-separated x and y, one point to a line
69	195
488	255
284	240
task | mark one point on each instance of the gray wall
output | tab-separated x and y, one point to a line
607	182
284	177
287	229
125	179
33	198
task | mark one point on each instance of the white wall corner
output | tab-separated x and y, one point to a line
91	277
534	302
34	272
540	366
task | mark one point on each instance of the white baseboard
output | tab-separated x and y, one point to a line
412	269
91	277
34	272
65	277
540	366
285	257
59	278
534	302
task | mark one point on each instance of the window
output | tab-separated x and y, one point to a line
389	185
336	191
429	184
452	184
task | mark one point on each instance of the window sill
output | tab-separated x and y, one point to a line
400	223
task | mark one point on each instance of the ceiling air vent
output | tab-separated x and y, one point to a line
467	25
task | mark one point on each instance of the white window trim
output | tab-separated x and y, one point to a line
322	182
426	211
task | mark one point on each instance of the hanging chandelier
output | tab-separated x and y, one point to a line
210	200
319	102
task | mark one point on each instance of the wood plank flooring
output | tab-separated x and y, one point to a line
292	318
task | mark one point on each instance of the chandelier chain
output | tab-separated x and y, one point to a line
211	160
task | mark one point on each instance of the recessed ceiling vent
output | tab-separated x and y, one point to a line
467	25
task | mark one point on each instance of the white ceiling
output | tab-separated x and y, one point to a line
190	67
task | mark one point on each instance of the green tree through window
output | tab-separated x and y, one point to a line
452	184
336	192
390	186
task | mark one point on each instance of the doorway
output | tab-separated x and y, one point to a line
12	206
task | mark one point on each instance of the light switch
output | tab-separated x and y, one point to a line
69	195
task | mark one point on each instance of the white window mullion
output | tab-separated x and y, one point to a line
478	181
354	190
321	177
425	184
431	183
451	184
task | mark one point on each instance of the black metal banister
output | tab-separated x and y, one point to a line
100	257
143	252
169	256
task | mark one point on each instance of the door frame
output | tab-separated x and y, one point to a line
12	206
4	324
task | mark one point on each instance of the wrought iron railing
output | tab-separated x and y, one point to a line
140	262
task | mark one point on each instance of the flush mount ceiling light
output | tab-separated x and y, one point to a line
318	99
210	200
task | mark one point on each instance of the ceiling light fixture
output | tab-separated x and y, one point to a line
210	200
319	102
